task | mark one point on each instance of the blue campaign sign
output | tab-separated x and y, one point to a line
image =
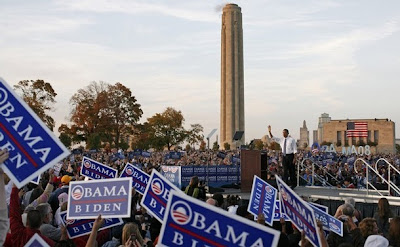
77	228
329	222
140	179
262	200
33	147
299	212
156	196
173	174
321	207
36	241
175	155
109	197
96	170
191	222
146	154
36	180
278	212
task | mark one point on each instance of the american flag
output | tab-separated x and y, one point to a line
357	129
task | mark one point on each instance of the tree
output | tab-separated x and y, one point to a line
227	146
397	148
89	114
275	146
194	135
215	146
65	139
166	129
39	95
122	110
188	147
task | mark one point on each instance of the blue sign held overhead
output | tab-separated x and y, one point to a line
36	241
299	212
96	170
329	222
278	212
191	222
109	197
156	196
262	200
140	179
77	228
33	147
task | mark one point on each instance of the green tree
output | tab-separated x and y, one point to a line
39	95
227	146
203	145
166	129
194	134
65	139
397	148
275	146
258	145
215	146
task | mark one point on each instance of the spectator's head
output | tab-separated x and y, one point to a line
34	219
368	227
65	180
219	198
347	181
63	197
45	212
376	241
212	202
194	182
35	194
347	209
350	201
384	208
242	211
131	229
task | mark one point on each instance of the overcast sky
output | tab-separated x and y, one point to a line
301	58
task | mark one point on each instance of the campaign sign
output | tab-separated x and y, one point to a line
299	212
191	222
33	147
109	197
278	213
77	228
96	170
36	180
146	154
262	200
156	196
175	155
329	222
36	241
140	179
57	168
173	174
321	207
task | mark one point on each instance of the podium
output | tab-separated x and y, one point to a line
252	162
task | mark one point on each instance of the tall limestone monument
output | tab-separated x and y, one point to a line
304	136
232	78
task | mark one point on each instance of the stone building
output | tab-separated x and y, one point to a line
304	136
381	134
232	76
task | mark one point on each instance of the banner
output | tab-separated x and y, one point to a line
140	179
262	200
321	207
36	241
156	196
96	170
299	212
33	147
329	222
109	197
173	174
57	168
77	228
191	222
174	155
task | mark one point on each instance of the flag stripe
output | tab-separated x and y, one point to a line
355	129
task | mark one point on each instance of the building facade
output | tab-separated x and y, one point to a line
232	76
304	136
381	134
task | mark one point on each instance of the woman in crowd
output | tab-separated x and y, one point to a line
382	216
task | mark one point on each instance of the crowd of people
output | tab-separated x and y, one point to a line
36	208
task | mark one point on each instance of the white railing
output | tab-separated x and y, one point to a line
389	181
324	182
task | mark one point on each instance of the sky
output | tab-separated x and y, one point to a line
301	58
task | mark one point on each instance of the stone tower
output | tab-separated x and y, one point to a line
304	136
232	83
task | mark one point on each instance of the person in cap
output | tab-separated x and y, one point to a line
376	241
53	200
